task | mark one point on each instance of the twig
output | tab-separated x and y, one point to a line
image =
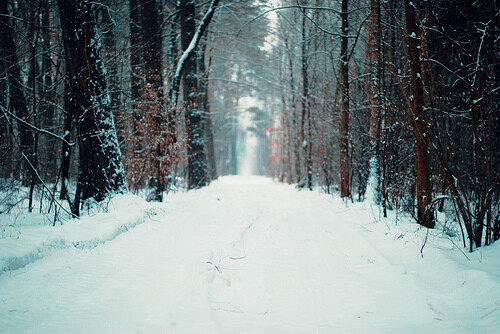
210	262
36	129
454	244
35	171
425	242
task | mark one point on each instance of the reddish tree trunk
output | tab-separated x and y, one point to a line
423	185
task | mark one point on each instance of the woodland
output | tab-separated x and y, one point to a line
396	100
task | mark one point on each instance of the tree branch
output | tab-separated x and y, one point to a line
188	53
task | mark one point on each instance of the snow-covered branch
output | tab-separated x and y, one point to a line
34	128
174	90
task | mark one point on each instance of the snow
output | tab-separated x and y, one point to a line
244	255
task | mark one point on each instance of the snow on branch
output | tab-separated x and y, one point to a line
34	128
174	90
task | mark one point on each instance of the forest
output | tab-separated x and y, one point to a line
249	166
393	100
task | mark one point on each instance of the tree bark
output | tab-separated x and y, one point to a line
423	185
100	169
17	103
375	98
344	125
207	117
306	112
136	73
197	166
66	148
152	44
49	115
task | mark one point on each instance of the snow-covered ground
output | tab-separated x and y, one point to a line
244	255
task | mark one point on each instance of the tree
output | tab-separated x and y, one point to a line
204	105
306	111
197	164
463	96
17	106
100	166
344	86
375	98
152	46
425	215
190	38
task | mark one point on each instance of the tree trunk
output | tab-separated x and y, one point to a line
49	115
207	117
171	62
375	98
152	44
17	103
66	149
136	73
424	214
6	142
197	166
294	138
100	169
344	125
306	117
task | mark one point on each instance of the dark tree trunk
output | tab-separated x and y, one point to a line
6	143
172	43
34	36
152	44
17	103
136	73
171	62
197	166
112	59
66	148
344	125
100	169
49	115
424	214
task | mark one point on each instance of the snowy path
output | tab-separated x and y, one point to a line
246	255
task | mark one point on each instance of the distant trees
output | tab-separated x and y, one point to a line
14	104
410	123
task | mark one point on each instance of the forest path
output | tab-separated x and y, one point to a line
246	255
